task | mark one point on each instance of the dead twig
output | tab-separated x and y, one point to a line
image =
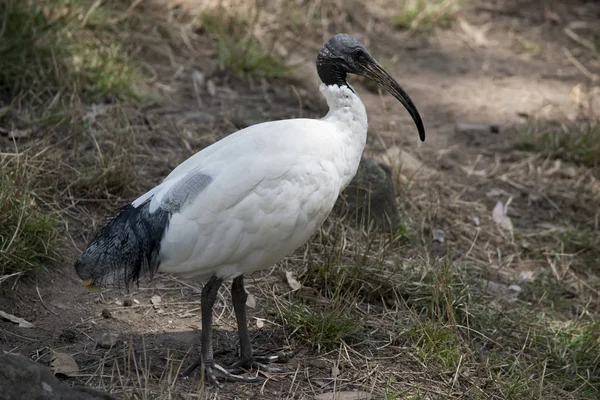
593	77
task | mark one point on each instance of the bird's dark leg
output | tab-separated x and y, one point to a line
247	358
209	295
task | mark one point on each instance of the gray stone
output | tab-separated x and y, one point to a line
370	199
21	378
108	340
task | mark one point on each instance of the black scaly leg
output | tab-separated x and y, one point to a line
209	295
247	359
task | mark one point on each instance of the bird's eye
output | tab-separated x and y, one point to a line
359	54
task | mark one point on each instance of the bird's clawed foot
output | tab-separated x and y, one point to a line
260	363
214	371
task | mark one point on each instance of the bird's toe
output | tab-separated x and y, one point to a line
227	374
260	363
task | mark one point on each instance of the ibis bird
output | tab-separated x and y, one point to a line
245	202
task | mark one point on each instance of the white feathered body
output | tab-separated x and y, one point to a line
270	187
273	186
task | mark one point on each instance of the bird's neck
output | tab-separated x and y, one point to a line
347	111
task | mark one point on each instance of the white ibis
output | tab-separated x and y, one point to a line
245	202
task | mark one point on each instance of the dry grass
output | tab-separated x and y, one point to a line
240	51
576	143
425	15
400	316
29	237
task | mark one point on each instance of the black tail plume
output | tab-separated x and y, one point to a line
126	249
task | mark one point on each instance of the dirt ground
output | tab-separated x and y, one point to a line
502	64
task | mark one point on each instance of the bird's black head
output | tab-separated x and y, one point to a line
343	54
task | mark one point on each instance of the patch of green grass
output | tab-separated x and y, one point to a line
239	50
28	232
56	56
562	353
530	46
579	144
45	48
437	343
322	328
424	15
515	343
583	242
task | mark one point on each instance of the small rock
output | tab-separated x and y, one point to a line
438	235
21	378
198	77
136	301
472	127
211	88
515	288
156	300
106	313
108	340
127	302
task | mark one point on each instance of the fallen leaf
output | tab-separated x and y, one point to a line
95	111
499	215
343	396
251	301
475	34
309	293
294	284
472	171
156	300
17	320
335	371
211	88
63	363
260	322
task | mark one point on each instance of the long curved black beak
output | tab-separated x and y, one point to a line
374	71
